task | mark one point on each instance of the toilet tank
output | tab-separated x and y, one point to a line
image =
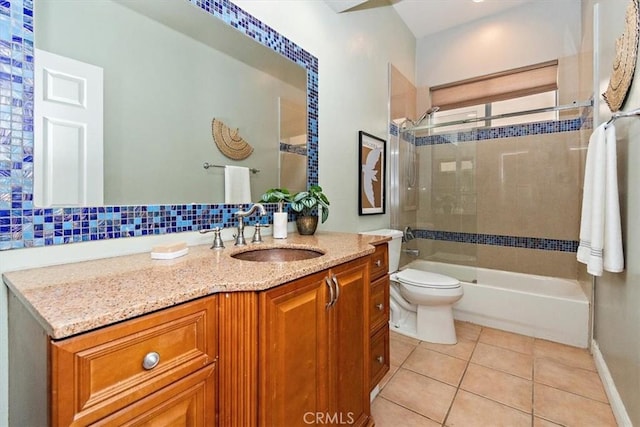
394	245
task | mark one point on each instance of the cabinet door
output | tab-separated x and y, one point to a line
293	352
349	344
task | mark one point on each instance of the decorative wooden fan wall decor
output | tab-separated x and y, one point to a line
229	141
624	63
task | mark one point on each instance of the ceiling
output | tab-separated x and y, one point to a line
425	17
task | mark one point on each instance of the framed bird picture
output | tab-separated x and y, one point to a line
372	155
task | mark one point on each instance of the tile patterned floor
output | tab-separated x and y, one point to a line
490	378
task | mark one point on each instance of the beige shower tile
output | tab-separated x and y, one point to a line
436	365
463	349
496	181
451	251
511	362
471	410
545	213
499	386
467	331
547	263
399	351
508	340
575	380
389	414
497	257
569	409
566	354
420	394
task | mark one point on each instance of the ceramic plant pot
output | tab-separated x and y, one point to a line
307	225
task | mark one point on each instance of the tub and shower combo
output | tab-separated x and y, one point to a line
543	307
499	196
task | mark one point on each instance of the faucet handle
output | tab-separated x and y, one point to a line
217	238
257	237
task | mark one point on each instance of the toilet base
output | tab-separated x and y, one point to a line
435	324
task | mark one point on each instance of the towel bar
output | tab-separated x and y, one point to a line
620	114
208	165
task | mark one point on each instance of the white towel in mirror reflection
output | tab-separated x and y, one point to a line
237	186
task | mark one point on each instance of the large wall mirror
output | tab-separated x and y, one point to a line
168	69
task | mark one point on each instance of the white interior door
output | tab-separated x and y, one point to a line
68	124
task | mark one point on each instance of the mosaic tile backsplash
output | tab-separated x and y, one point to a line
23	225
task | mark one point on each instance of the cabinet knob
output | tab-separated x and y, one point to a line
151	360
378	263
380	360
380	306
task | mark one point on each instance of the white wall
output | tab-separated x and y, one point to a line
535	32
617	297
354	50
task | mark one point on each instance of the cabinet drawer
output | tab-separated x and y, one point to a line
379	356
379	261
97	373
185	403
379	303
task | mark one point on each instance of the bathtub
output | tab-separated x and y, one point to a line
538	306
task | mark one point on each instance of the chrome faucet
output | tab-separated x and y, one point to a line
241	215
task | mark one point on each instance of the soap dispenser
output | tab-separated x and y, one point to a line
280	196
280	225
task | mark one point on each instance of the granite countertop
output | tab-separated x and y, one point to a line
73	298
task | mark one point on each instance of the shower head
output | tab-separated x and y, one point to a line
426	114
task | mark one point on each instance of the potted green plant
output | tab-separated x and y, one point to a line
304	202
279	196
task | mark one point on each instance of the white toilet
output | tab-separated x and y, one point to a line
421	302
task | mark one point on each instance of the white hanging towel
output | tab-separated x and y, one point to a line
600	231
237	186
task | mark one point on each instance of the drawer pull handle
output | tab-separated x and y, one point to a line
151	360
380	306
332	295
380	360
378	263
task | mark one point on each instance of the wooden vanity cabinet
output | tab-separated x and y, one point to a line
314	341
158	369
379	316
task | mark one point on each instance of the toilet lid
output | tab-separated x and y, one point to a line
427	279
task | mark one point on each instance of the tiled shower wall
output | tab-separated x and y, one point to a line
505	198
507	202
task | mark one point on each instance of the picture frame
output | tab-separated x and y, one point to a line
372	154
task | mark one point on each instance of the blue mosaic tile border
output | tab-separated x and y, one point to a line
498	240
22	225
535	128
585	121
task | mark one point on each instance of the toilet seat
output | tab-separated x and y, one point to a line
424	279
